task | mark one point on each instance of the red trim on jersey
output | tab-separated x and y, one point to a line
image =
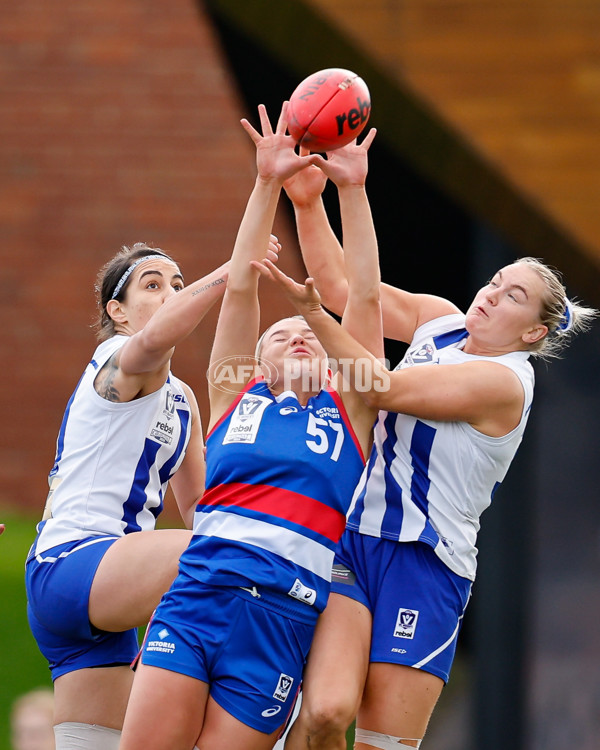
275	501
135	663
344	415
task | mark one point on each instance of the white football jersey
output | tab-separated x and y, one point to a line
113	460
430	481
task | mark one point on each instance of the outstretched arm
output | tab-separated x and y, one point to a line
403	312
149	349
487	395
347	167
141	365
237	328
321	250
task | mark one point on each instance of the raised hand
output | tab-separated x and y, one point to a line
276	158
304	297
348	165
273	249
306	185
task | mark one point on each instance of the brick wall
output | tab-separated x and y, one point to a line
119	122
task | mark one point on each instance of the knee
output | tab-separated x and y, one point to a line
328	719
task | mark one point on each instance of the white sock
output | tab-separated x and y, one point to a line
71	735
382	741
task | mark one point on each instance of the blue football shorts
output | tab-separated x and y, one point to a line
245	647
416	601
58	584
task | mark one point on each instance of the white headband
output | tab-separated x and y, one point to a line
128	272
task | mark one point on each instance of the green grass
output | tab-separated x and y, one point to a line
22	667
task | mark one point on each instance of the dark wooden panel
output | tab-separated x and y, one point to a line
518	79
469	135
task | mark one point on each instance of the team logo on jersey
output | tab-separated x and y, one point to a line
171	400
169	410
288	410
406	623
448	544
283	687
246	419
420	355
302	592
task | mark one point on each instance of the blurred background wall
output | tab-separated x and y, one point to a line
119	122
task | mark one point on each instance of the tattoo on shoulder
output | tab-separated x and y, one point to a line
216	282
104	384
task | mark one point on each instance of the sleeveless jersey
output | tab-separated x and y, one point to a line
430	481
113	460
280	478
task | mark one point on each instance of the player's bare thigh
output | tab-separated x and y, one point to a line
398	701
93	696
133	575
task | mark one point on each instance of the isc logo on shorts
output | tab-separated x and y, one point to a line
283	687
406	623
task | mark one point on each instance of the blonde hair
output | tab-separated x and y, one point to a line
261	339
564	317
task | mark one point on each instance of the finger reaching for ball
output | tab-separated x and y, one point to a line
304	297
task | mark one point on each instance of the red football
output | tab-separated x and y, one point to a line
329	109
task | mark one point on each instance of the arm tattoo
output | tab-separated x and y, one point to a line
208	286
105	380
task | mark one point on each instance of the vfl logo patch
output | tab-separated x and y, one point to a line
406	624
448	544
422	355
170	400
283	688
246	419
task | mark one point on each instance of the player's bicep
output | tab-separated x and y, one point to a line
474	392
404	312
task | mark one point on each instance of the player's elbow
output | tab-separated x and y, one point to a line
376	388
366	298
